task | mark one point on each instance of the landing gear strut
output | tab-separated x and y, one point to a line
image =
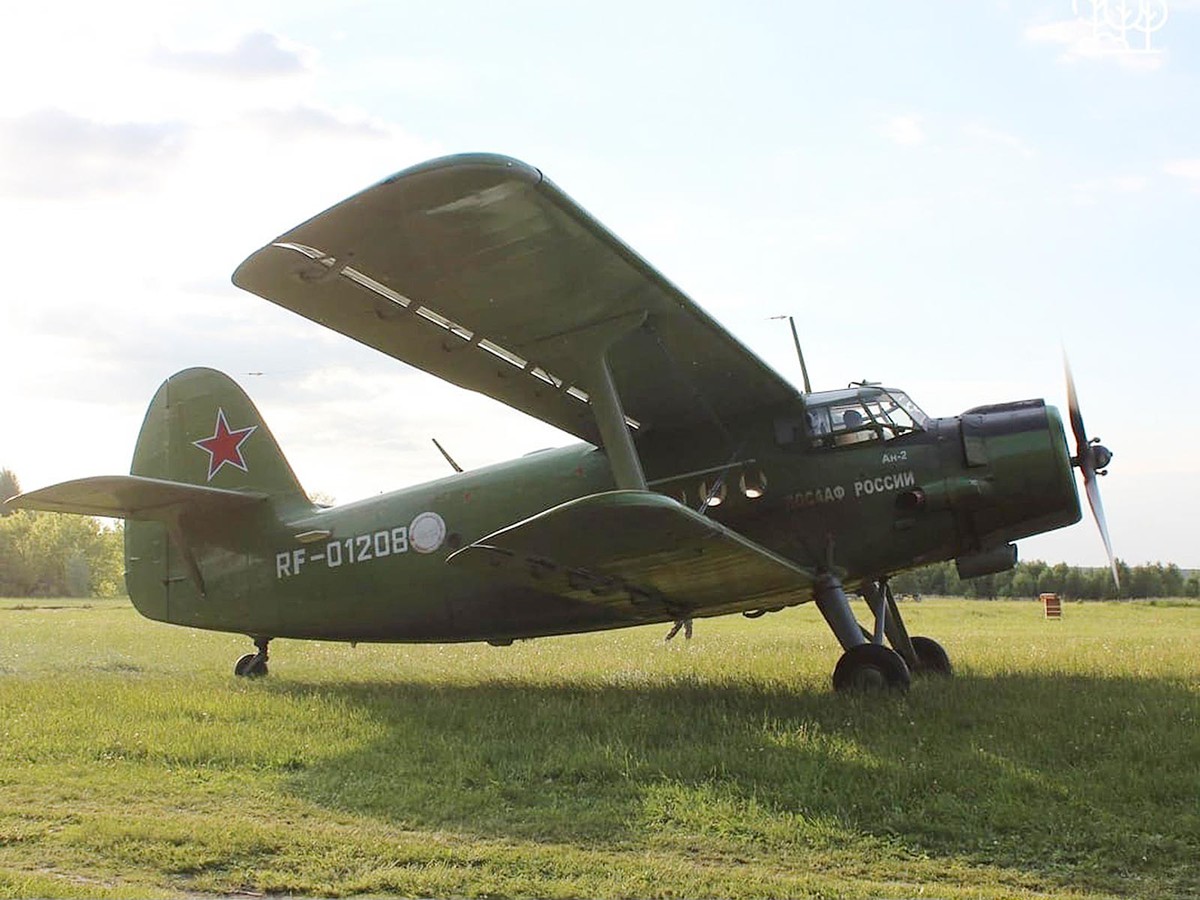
253	665
867	664
924	656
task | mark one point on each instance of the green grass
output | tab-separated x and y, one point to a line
1063	760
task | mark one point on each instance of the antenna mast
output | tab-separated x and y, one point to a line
799	353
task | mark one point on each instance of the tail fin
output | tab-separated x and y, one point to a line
203	448
202	429
207	480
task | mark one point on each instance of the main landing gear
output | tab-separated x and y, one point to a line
253	665
867	664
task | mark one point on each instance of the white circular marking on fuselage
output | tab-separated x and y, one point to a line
427	532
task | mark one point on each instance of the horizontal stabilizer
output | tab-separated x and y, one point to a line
134	497
641	549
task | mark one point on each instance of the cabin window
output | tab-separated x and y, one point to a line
753	484
712	494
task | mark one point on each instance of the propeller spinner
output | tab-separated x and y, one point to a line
1092	458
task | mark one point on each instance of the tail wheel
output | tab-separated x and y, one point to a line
871	668
252	665
932	658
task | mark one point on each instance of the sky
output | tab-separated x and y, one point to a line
943	194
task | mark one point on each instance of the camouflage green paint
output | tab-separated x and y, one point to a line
376	570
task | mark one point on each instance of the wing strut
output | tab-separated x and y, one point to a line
589	345
610	418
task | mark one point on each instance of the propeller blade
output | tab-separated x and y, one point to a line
1081	438
1085	458
1093	495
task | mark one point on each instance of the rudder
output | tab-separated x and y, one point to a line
201	428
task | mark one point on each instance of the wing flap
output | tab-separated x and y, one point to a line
134	497
478	269
642	550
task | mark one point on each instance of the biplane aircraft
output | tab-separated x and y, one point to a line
705	484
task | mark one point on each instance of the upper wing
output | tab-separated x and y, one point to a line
641	551
134	497
479	270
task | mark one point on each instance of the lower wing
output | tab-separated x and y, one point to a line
641	550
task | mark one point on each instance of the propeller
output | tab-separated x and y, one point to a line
1092	458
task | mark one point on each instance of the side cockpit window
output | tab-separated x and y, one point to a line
818	421
851	424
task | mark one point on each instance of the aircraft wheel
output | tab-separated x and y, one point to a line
870	667
932	658
252	665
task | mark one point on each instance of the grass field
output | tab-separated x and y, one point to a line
1063	760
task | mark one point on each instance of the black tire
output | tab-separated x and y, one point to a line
932	658
871	668
250	666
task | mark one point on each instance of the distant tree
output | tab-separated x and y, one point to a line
1145	581
906	582
1036	569
983	587
1028	579
1172	581
1075	584
76	573
1111	591
1024	584
53	555
1003	583
952	585
1054	579
9	487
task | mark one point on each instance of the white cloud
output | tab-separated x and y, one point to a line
994	136
1080	40
177	166
1187	169
310	121
1090	190
903	130
255	55
52	153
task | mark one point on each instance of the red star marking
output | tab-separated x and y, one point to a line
225	446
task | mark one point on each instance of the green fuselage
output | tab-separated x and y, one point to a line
376	570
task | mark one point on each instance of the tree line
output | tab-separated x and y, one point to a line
1029	579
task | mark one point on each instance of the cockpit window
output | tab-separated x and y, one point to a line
860	414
